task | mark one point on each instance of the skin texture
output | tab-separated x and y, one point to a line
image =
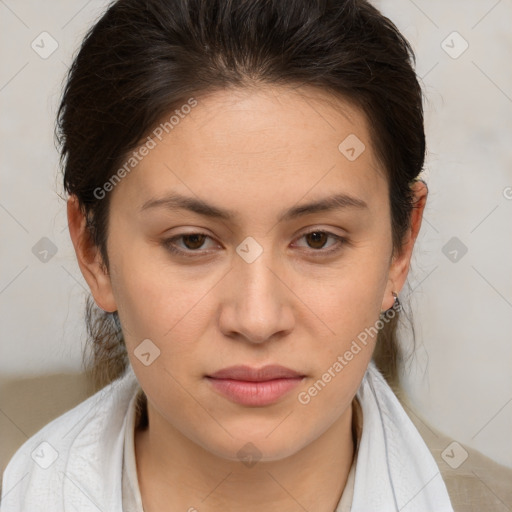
256	152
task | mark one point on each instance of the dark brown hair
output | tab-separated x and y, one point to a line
145	58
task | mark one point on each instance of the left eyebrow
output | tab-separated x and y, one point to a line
329	203
201	207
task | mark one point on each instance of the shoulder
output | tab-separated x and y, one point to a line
72	445
474	482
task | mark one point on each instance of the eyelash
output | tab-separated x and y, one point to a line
341	241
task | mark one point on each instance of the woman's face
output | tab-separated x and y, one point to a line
252	287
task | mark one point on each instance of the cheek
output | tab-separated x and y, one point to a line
170	311
349	306
156	301
347	299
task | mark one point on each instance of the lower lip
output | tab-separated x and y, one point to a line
254	393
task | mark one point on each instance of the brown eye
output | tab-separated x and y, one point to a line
188	244
316	239
317	243
194	241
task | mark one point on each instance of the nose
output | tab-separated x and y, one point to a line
257	305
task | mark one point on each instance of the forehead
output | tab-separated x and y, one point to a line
267	143
287	119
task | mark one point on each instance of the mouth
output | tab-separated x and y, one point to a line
255	387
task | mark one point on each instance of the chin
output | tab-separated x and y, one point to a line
255	447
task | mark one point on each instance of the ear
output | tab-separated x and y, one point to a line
89	257
401	260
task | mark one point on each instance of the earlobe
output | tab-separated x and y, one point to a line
89	257
397	306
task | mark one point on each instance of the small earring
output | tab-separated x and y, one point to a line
397	305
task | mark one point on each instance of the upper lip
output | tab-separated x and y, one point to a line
269	372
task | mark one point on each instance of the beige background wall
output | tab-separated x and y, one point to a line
461	377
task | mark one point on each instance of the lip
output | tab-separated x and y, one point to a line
255	386
246	373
